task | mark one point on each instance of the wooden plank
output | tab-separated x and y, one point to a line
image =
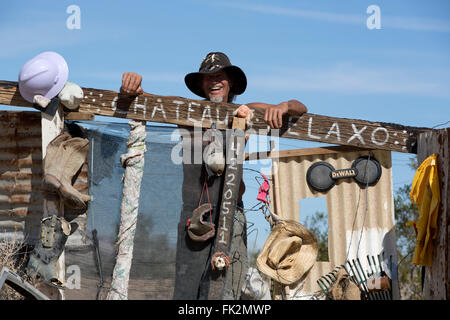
187	112
79	116
276	154
233	175
52	126
436	284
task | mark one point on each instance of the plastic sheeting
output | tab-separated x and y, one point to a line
152	271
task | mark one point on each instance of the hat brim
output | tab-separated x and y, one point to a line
193	80
304	259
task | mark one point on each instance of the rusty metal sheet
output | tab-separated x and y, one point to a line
21	170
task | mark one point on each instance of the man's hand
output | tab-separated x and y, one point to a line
273	115
131	84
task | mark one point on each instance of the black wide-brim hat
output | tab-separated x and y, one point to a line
214	62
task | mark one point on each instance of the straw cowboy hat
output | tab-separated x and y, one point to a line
289	253
212	63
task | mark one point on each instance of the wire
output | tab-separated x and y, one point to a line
398	264
441	124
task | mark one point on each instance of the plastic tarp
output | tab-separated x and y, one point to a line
153	266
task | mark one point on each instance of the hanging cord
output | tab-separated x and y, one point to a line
99	263
367	207
205	183
91	179
356	214
94	230
205	186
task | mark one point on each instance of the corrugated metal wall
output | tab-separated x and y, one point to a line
360	220
20	173
21	167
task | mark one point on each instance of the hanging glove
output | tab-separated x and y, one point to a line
71	95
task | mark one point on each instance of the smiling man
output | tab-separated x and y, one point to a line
216	86
219	81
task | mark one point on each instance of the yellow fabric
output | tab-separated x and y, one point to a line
425	193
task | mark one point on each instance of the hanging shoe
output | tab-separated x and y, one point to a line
199	229
64	158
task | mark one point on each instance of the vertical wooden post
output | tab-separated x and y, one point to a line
52	126
235	147
436	285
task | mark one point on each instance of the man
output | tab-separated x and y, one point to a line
221	84
219	81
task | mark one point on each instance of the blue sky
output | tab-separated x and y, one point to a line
319	52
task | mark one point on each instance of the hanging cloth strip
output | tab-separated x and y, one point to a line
263	190
133	162
425	193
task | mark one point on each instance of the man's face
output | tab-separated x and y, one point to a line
216	86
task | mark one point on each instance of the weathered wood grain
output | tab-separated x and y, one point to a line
232	180
436	284
187	112
51	127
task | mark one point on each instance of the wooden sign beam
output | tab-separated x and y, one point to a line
187	112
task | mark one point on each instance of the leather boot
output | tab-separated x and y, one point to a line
43	258
50	161
64	158
199	229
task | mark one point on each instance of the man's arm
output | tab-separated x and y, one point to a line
274	113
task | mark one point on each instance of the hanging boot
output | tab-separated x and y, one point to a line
199	229
51	183
63	160
43	258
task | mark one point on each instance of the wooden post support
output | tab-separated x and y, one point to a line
79	116
233	175
51	127
436	285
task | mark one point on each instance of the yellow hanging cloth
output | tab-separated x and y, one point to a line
425	193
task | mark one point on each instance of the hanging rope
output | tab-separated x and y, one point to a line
133	162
